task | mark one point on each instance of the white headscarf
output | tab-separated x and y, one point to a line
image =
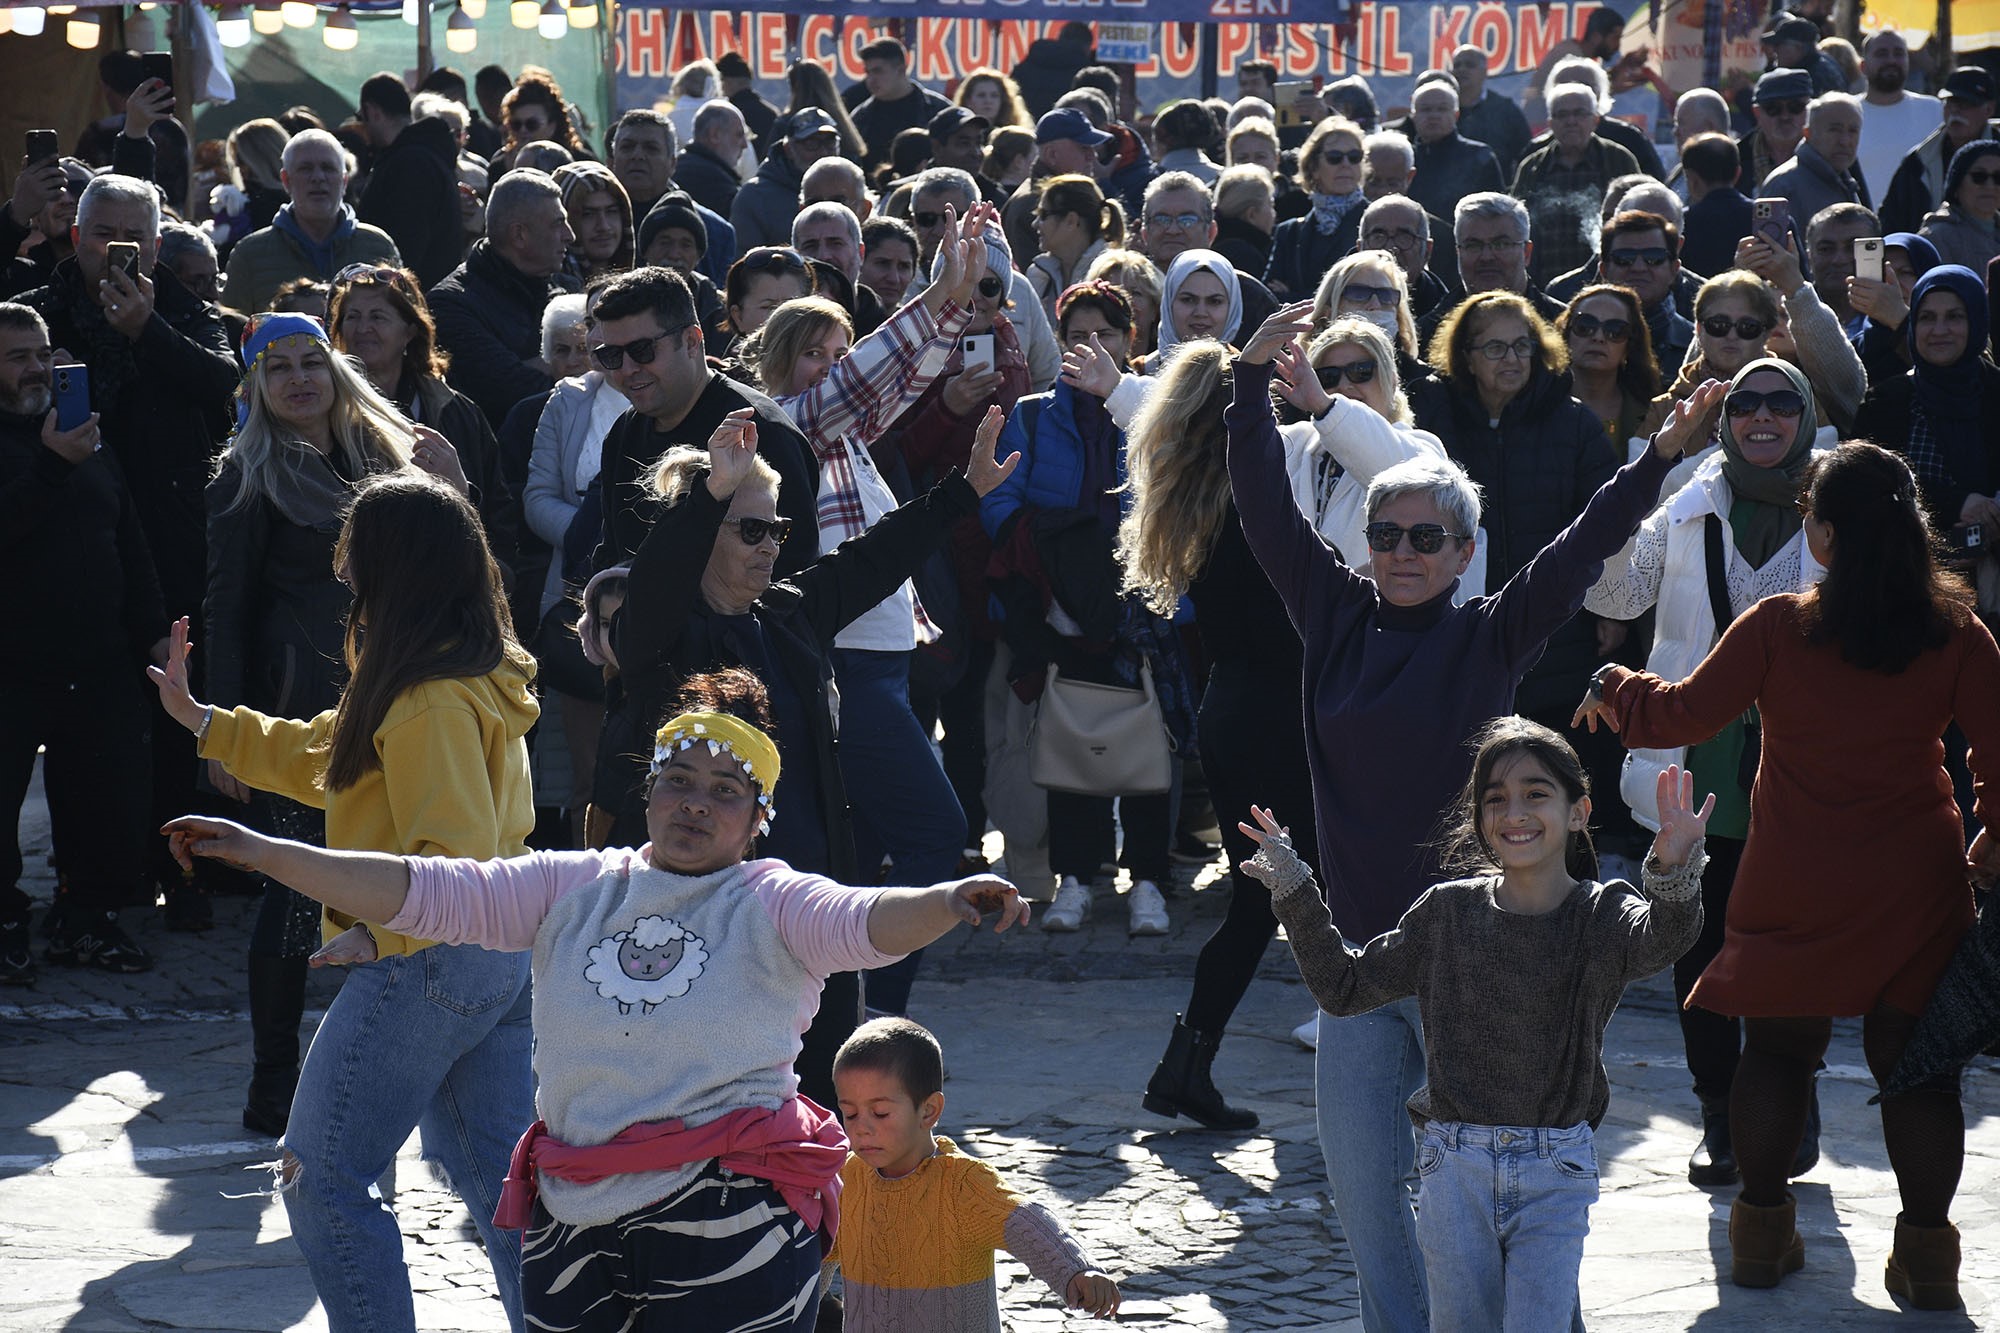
1185	265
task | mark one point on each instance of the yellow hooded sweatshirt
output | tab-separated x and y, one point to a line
453	780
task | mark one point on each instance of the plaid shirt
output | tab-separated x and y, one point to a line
860	398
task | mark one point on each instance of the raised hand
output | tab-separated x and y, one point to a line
1682	827
732	451
439	457
982	470
1087	366
172	679
1593	710
1285	324
128	302
216	840
1881	301
1298	382
1687	424
973	898
151	101
72	445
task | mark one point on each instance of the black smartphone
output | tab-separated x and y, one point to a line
1968	539
159	65
72	396
43	146
124	255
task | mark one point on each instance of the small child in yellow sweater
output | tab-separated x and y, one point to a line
919	1222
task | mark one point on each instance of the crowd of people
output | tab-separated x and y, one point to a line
497	518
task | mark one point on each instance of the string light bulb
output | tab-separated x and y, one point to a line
6	20
551	23
29	22
299	13
524	13
583	15
474	9
341	34
232	28
461	34
82	31
267	18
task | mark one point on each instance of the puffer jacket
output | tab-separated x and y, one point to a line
763	210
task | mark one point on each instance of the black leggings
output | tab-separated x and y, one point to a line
1253	752
1713	1041
1924	1130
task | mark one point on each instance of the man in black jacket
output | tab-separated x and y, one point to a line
1449	166
77	571
1050	66
894	102
413	190
489	309
706	168
649	346
1487	117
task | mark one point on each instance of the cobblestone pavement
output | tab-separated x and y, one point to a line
127	1185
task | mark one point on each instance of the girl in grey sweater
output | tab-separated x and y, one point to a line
1517	974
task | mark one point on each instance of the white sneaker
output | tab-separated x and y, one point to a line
1149	909
1071	906
1306	1034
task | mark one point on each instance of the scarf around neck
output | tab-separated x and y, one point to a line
1330	210
1773	492
1949	395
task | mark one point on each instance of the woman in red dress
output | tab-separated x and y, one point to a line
1853	889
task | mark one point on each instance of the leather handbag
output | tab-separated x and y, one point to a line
1100	740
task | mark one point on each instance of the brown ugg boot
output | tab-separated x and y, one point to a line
1764	1243
1923	1267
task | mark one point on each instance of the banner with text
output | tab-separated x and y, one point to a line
1389	43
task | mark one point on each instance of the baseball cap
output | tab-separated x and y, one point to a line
1793	28
732	65
808	121
1068	123
1970	84
955	118
1778	85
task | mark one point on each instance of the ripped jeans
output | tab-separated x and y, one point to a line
439	1041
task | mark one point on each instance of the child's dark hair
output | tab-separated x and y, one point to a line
1466	850
732	690
905	1051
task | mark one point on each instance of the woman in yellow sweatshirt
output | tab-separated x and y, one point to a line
424	755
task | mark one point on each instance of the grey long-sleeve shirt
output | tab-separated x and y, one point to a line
1514	1007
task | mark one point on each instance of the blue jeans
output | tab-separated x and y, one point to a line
439	1041
903	804
1502	1217
1368	1067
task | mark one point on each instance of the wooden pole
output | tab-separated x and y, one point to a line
1943	39
425	64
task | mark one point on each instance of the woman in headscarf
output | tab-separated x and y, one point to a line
1302	249
1885	352
1943	415
1733	529
1963	228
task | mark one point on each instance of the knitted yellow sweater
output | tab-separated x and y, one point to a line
917	1252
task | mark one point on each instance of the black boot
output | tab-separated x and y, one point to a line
1807	1157
277	1003
1181	1085
1714	1159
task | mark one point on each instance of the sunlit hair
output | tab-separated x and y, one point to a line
1639	372
1349	331
773	350
256	153
1326	302
1466	850
429	604
1451	346
1009	144
682	467
1130	272
1103	219
1333	127
903	1050
1095	294
1013	110
423	358
1176	469
1885	599
1763	301
369	434
542	90
812	85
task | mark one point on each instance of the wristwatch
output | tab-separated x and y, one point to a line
1597	679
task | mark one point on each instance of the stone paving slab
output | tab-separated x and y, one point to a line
120	1146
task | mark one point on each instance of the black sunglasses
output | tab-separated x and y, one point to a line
1360	372
1782	402
990	287
1652	256
1352	156
1363	292
1748	329
754	530
1790	106
642	350
1589	326
925	221
1982	177
766	257
1425	538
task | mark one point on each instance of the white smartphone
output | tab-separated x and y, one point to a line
1868	258
978	348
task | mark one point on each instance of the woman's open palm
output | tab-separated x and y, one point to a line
1682	827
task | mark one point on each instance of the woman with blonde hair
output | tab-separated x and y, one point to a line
1010	157
1181	537
694	84
1303	248
1075	224
256	160
987	92
1142	282
1369	286
812	85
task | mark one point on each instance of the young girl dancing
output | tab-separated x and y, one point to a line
1517	974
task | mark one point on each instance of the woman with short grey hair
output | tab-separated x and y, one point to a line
1399	676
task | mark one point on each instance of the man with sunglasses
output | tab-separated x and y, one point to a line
1779	108
1642	251
315	235
1822	171
648	343
1918	186
412	189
